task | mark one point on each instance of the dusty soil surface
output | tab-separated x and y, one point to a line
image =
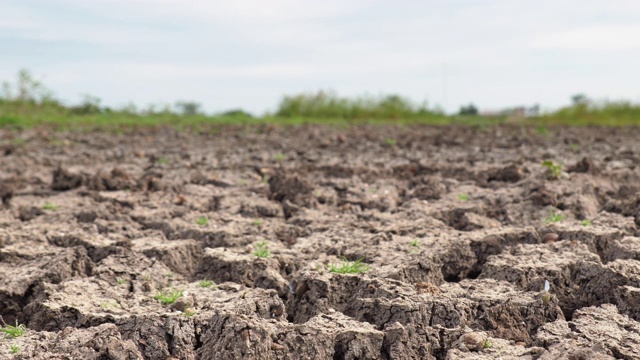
459	227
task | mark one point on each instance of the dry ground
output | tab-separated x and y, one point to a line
455	224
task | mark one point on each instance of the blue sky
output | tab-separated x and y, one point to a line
248	53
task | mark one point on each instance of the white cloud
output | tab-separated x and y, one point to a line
595	38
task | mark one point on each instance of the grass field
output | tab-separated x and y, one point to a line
28	103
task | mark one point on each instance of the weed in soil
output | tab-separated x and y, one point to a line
50	206
415	243
207	283
349	267
554	217
14	349
13	331
543	131
555	171
121	281
202	221
162	161
168	296
586	222
463	197
545	295
262	250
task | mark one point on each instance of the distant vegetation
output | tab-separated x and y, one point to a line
329	105
27	102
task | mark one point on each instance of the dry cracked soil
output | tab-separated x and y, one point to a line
145	244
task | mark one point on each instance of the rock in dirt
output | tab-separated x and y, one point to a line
116	179
64	180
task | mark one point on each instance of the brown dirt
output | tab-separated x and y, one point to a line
450	221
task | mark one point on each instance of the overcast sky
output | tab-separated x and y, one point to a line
248	53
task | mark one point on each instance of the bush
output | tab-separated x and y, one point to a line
329	105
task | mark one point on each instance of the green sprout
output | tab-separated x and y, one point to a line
168	296
19	141
555	170
107	305
463	197
349	267
257	222
278	157
543	131
415	243
13	331
574	147
207	283
554	217
486	344
168	275
545	295
163	160
262	250
189	312
14	349
50	206
390	141
586	222
202	221
121	281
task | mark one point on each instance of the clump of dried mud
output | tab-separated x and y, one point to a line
460	228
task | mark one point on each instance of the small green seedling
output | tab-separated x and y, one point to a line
13	331
257	222
262	250
349	267
207	283
486	344
574	147
14	349
554	217
121	281
50	206
545	295
586	222
202	221
168	275
19	141
168	296
163	160
390	141
554	170
415	243
278	157
107	305
543	131
189	312
463	197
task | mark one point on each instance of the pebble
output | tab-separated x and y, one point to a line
550	237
